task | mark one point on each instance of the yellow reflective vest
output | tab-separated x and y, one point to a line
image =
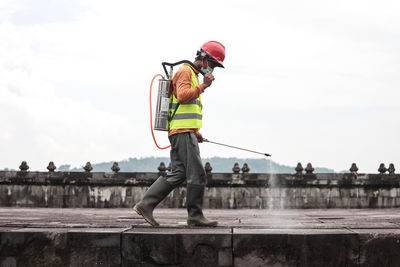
187	115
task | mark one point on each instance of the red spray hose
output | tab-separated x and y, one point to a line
151	115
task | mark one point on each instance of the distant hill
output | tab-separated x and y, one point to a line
150	164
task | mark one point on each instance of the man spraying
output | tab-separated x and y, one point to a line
185	121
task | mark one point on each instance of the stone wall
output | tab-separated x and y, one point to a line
224	190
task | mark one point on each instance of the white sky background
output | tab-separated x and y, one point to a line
306	81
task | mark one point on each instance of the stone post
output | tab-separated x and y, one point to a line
309	168
88	167
391	168
382	169
115	167
162	169
237	178
24	167
208	169
353	169
236	168
51	167
245	168
299	169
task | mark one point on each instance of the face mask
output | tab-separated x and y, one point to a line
208	70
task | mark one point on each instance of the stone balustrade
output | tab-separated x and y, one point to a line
240	189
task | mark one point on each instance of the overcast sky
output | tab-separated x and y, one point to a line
306	81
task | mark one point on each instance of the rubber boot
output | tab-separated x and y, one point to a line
153	196
194	203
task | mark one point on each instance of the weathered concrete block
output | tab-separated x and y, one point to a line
344	193
345	202
216	197
275	192
261	248
278	247
76	196
276	203
207	247
264	202
215	202
242	197
33	247
284	192
364	203
323	182
264	192
393	192
288	203
362	192
254	194
313	203
55	197
8	262
355	203
93	238
384	193
379	247
95	257
297	192
330	249
139	248
177	247
227	195
93	247
257	202
373	202
380	202
354	193
373	192
6	197
323	196
179	197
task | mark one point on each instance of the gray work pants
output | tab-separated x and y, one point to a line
185	160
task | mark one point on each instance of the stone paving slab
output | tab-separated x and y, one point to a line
119	237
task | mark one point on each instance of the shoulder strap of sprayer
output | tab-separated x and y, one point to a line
173	114
171	117
178	63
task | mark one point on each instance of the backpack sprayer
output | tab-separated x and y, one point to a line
162	117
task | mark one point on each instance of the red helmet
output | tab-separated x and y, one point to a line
216	51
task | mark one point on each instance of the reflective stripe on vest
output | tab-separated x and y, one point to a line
185	116
196	101
188	115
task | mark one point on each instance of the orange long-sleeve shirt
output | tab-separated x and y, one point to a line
181	88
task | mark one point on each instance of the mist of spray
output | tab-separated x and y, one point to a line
273	185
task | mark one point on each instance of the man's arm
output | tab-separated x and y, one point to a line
184	92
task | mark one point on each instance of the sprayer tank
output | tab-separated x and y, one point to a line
161	118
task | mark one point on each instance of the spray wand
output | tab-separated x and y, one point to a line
208	141
162	110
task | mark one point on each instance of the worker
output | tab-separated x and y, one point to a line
185	120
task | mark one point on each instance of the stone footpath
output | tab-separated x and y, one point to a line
119	237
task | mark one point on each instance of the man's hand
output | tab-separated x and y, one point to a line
199	137
208	79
